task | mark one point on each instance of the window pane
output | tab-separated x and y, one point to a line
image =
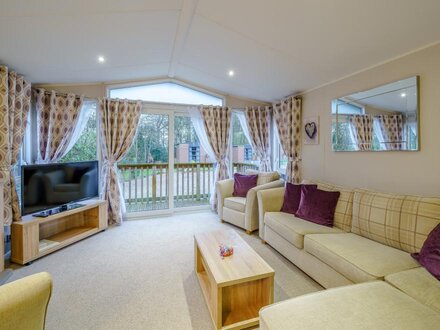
187	148
242	153
144	170
165	93
85	147
151	142
193	169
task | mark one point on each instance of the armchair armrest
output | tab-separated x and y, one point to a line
23	303
224	189
269	200
251	218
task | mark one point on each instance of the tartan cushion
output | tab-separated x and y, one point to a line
400	221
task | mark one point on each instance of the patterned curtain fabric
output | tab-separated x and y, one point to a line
362	126
258	123
287	115
217	122
57	117
15	101
391	127
119	120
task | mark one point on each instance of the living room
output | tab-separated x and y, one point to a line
220	165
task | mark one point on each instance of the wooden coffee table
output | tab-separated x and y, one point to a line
236	287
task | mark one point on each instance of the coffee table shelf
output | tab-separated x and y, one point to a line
235	288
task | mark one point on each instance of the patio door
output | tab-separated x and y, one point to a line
166	168
145	170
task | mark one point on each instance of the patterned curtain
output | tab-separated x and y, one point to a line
391	127
15	101
362	126
119	120
57	117
287	115
217	122
258	122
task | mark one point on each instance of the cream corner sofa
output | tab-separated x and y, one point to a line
371	241
243	211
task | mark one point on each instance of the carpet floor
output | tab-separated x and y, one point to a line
141	276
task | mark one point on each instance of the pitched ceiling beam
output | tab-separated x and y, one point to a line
183	27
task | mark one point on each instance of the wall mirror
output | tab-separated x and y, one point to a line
384	118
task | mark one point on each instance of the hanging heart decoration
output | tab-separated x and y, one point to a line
311	129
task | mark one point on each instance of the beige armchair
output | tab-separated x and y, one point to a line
23	303
243	211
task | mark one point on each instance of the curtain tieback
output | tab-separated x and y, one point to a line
222	158
108	163
294	159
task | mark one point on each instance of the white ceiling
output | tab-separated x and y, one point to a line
275	47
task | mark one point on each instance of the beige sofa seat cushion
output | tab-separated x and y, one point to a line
264	177
374	305
235	203
400	221
358	258
419	284
344	207
293	229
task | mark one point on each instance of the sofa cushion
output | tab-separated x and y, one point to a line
357	258
264	177
235	203
292	197
293	229
419	284
429	256
242	184
344	207
317	205
400	221
374	305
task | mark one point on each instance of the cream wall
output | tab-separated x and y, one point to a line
401	172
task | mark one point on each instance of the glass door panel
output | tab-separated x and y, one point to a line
193	170
145	169
242	153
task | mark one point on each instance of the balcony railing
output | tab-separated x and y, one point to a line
145	187
243	167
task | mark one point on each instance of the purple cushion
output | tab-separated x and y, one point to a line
292	197
242	184
429	255
317	205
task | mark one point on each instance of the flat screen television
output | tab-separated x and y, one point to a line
51	186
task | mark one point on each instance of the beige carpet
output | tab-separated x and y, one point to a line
140	276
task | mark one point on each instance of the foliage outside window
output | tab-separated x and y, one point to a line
151	142
85	147
242	154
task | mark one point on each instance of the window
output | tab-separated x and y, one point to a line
343	139
242	153
85	147
248	153
151	142
167	92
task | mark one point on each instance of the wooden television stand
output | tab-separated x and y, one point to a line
34	237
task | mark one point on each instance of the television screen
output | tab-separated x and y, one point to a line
48	186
